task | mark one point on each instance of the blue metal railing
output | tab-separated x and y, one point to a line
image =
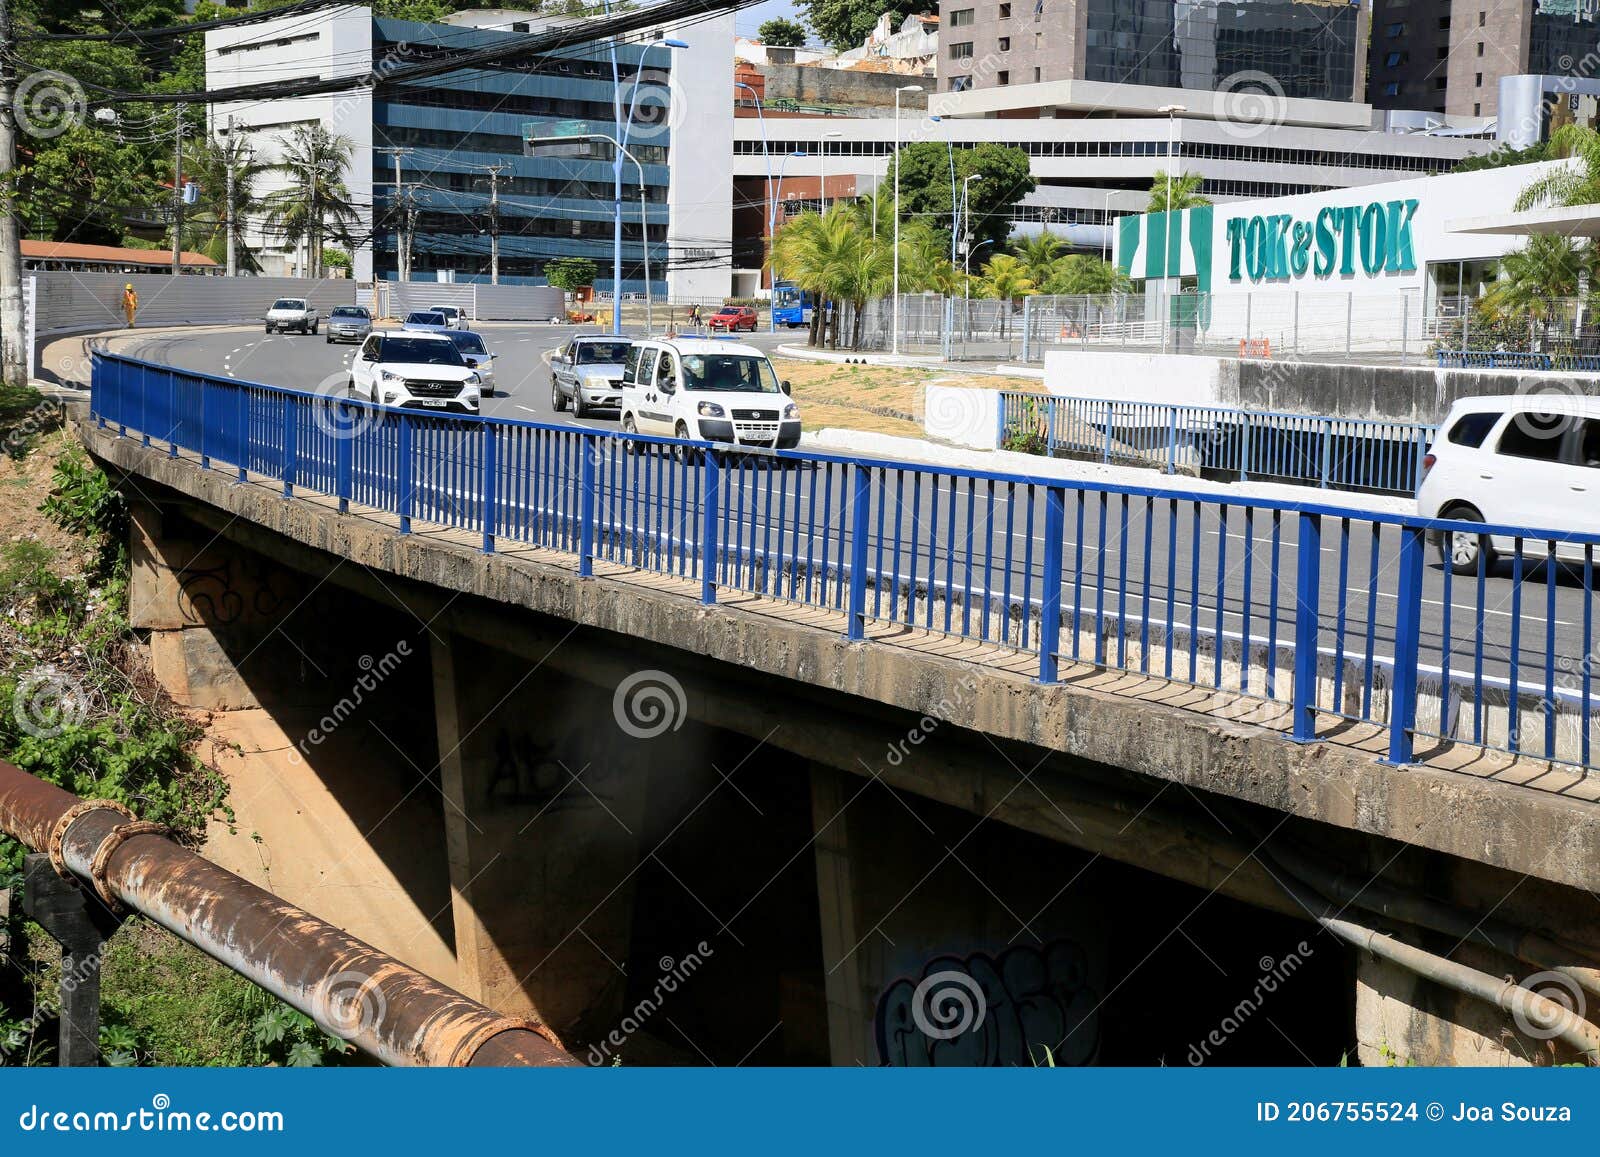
1336	453
1517	360
1305	614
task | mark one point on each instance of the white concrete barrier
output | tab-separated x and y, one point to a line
1179	379
962	415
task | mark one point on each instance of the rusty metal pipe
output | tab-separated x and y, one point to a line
381	1006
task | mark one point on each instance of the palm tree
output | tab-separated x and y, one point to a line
1006	277
1548	267
806	248
1569	185
1185	192
214	217
1079	273
925	260
317	201
1038	253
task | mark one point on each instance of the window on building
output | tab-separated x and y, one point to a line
1005	44
961	51
1393	59
1398	28
1391	89
961	17
1444	23
1036	75
1005	12
1477	80
1477	110
1002	77
1480	48
1482	17
960	83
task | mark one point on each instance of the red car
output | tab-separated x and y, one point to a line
733	318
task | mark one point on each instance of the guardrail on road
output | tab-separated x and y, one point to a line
1316	613
1335	453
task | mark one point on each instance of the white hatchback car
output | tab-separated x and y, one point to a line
416	369
1520	460
717	391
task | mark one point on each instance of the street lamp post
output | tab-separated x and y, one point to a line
772	232
894	341
823	150
644	227
955	219
766	154
1171	111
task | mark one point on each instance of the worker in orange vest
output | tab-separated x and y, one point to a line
130	302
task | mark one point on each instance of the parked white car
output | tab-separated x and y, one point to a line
1521	461
415	369
455	317
716	391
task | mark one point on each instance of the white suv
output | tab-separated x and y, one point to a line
1524	461
717	391
413	368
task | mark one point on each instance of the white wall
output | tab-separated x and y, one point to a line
333	42
1174	378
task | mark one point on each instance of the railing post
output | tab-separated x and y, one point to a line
205	392
144	406
1327	452
291	446
1055	529
1244	446
172	414
1308	592
1172	440
1027	329
586	511
489	487
1105	446
344	454
1407	632
710	516
242	420
402	506
861	509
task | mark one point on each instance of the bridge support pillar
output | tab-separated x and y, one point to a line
541	810
849	1009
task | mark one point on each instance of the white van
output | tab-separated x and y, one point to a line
705	388
1521	460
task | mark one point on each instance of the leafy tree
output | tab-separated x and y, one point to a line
206	224
571	273
1533	278
1577	185
844	24
1004	178
316	202
782	33
1185	192
1038	252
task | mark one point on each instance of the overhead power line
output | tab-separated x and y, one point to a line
176	31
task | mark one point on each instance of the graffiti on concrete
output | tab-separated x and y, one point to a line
555	776
230	591
989	1011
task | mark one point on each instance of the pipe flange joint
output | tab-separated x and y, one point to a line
102	857
58	834
475	1040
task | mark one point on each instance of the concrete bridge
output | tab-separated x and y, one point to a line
577	731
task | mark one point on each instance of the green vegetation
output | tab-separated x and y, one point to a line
1185	192
844	24
1001	179
81	710
571	273
782	33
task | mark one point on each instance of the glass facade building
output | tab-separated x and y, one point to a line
1564	38
1293	48
454	125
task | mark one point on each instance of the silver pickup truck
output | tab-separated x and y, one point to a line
294	313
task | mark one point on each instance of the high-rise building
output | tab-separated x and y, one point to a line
1309	49
1410	56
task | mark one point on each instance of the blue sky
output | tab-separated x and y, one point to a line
747	20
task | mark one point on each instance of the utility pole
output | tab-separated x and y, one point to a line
402	247
13	355
177	194
227	206
494	172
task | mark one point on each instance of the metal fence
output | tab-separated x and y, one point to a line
1213	441
1305	614
1385	328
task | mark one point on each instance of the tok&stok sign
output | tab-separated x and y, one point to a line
1376	238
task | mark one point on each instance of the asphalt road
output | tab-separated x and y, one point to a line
1149	568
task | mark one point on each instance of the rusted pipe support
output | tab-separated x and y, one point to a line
381	1006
